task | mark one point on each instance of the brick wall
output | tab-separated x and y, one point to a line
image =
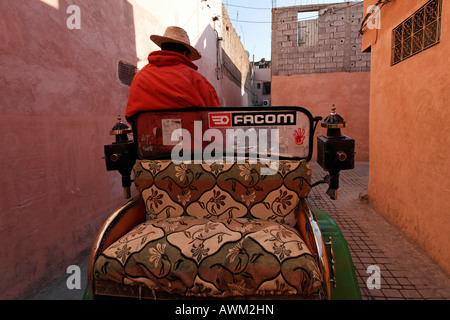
338	47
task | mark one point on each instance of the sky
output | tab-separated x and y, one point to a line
252	21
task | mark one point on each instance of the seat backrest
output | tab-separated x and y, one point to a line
279	131
225	189
222	190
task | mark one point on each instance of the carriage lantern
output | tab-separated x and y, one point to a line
120	155
336	152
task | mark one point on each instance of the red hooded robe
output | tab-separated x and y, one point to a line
169	81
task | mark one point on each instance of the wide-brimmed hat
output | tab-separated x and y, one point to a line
177	35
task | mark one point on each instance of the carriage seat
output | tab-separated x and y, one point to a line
214	230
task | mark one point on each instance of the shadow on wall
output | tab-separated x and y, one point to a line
60	97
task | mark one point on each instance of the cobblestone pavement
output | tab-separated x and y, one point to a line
407	272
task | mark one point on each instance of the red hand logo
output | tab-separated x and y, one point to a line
299	136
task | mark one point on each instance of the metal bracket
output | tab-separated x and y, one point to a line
333	269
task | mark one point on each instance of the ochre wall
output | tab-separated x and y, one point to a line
317	92
410	133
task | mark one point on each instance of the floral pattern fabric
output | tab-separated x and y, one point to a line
221	190
215	230
206	258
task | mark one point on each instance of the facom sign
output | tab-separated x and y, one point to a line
251	119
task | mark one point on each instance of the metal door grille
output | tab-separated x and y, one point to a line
419	32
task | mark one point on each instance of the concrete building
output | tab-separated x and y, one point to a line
64	77
262	83
409	133
317	63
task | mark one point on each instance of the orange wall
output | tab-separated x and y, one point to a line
318	92
410	134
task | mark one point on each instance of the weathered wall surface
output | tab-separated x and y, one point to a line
409	133
333	71
338	47
236	65
60	95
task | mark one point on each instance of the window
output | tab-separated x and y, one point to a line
126	73
419	32
258	86
308	28
266	88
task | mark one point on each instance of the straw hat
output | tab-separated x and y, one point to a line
177	35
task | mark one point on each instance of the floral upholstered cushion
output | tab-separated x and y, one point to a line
221	190
211	258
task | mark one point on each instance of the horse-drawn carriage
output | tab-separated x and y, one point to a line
221	210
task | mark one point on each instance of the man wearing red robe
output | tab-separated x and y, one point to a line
170	80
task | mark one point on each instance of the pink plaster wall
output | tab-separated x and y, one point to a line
349	92
409	133
60	96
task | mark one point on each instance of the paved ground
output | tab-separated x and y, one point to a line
406	271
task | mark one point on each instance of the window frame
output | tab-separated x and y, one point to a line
414	36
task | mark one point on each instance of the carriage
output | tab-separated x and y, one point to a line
221	210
